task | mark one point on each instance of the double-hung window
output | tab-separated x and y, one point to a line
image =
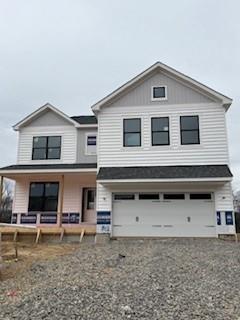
132	132
160	131
189	130
45	147
43	196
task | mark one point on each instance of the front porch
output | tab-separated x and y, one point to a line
54	198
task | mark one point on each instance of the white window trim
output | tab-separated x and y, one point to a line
87	134
158	99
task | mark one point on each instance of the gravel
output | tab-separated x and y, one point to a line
151	279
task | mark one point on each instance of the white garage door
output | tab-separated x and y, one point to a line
163	215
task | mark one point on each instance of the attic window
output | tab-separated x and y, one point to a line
159	93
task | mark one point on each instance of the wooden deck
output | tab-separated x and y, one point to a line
16	231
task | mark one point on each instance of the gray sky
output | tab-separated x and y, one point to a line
71	53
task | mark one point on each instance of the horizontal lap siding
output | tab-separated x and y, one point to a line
68	148
212	150
224	198
72	199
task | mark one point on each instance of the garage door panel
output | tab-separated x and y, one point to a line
153	218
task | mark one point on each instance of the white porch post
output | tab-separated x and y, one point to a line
1	192
60	211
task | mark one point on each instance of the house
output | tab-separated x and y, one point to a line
152	161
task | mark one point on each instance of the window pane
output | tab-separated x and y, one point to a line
50	204
160	138
36	189
189	123
200	196
174	196
132	125
159	92
190	137
160	124
39	142
54	141
54	153
51	189
35	204
132	139
126	196
91	140
39	154
90	199
148	196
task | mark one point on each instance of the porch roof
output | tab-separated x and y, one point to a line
166	173
49	168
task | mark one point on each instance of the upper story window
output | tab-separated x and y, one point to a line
132	132
189	130
91	144
160	131
159	93
43	196
46	148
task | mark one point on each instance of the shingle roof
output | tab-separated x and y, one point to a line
85	119
164	172
50	166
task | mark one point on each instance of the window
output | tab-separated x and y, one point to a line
148	196
90	199
132	132
159	93
91	144
160	131
174	196
43	196
200	196
46	148
189	130
124	196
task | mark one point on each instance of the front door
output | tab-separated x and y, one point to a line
89	211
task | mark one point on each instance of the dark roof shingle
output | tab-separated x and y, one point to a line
50	166
164	172
85	119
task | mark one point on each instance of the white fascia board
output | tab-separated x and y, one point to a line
17	126
226	101
164	180
43	171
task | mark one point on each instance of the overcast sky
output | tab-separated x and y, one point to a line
72	53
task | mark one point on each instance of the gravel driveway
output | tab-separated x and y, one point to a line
151	279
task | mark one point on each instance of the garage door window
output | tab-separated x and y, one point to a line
126	196
148	196
174	196
200	196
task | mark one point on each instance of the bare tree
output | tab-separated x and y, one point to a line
6	203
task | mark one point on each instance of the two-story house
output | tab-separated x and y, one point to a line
152	162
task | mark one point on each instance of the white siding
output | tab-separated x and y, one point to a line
104	198
178	92
73	184
224	198
68	148
212	150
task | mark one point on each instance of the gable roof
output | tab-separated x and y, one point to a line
85	120
43	109
159	66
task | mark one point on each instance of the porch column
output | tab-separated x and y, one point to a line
1	192
60	211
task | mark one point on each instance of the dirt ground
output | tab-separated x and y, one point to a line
27	254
